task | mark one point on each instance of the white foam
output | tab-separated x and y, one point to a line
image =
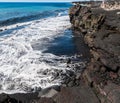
21	66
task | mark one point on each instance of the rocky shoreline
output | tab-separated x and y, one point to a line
101	30
70	80
99	81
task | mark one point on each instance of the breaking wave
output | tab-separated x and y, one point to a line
32	16
24	68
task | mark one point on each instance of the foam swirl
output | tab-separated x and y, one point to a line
22	67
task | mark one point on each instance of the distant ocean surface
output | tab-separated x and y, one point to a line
19	12
35	40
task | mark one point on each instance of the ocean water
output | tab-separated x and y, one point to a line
19	12
33	45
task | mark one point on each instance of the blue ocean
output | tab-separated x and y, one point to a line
35	42
18	12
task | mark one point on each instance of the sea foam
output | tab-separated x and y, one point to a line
22	67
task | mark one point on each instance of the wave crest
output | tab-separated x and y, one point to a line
40	15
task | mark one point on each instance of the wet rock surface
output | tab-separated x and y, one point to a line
4	98
69	79
101	31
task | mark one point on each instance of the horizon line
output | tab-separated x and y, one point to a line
34	1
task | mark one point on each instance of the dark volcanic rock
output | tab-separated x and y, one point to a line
76	95
102	34
101	31
44	100
4	98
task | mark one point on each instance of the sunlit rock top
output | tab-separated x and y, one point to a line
110	4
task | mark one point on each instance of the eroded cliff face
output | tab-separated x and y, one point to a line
101	30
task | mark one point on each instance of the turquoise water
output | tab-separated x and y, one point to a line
15	12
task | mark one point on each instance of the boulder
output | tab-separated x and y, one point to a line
50	94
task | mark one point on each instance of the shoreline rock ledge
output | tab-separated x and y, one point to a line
101	31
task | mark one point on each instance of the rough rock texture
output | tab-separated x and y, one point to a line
111	4
76	95
101	31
